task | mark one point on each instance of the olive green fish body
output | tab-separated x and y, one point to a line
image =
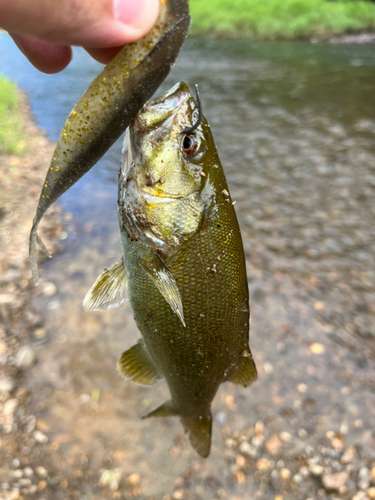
195	359
184	262
108	105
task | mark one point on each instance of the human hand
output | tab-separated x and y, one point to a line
44	30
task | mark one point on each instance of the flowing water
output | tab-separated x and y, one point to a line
294	125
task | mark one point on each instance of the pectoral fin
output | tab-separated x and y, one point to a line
165	283
109	290
135	364
246	372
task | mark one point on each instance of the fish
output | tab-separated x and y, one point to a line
106	108
182	265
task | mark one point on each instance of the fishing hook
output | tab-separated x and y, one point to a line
200	115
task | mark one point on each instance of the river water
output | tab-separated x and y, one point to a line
294	125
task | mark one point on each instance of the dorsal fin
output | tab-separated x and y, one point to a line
246	372
135	364
109	290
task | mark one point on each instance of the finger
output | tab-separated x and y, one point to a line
90	23
104	56
46	57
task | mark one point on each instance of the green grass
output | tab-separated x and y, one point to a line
12	139
280	19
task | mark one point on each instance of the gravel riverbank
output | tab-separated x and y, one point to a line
21	178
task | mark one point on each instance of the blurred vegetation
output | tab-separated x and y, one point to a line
12	139
280	19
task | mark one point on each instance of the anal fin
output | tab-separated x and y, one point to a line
109	290
246	372
135	364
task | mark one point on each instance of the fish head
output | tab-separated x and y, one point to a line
168	162
166	170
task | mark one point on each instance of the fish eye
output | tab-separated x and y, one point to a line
190	144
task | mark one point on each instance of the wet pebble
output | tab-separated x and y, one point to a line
133	479
285	436
273	444
49	289
41	471
3	348
221	418
363	478
25	358
246	449
10	406
361	495
30	423
334	482
285	474
264	464
40	333
317	348
28	471
7	384
7	298
349	455
110	478
17	474
16	463
40	437
297	478
316	469
33	489
14	495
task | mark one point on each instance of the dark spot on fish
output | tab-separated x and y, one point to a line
149	180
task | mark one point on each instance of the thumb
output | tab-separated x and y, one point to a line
89	23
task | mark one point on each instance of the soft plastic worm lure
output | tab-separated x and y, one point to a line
107	107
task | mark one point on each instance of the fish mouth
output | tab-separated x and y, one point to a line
149	198
157	111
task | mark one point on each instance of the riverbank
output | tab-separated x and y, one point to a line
318	20
21	177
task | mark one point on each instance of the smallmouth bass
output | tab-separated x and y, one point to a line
183	264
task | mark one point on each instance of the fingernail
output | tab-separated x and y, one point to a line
136	13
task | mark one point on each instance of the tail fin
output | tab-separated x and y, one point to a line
199	432
197	428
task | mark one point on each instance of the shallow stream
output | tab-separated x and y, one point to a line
294	125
